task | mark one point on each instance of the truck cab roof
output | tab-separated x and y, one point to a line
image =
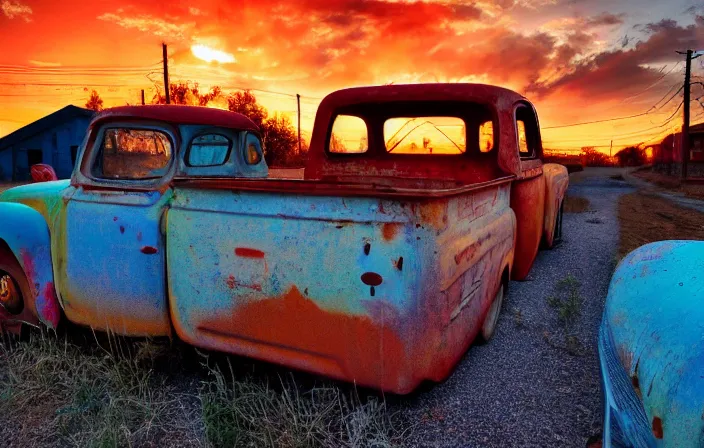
406	109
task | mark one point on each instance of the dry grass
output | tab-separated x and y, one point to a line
260	414
671	183
575	204
645	218
60	391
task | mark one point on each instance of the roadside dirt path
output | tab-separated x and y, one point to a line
530	386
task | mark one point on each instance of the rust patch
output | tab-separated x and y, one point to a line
295	328
232	283
636	385
389	230
248	252
657	427
29	270
434	214
149	250
114	218
51	306
122	229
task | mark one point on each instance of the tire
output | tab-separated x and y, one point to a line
557	235
11	277
492	316
13	288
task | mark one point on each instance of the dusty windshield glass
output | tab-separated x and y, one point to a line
133	154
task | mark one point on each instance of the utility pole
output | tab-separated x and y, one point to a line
610	148
165	59
142	97
685	123
298	101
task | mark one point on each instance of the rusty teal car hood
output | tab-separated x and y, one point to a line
45	197
655	313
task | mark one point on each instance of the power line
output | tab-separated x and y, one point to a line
40	84
654	106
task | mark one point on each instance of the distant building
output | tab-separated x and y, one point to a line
667	155
53	140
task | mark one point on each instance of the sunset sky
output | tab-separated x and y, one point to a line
577	60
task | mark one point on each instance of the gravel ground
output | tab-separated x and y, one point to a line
524	388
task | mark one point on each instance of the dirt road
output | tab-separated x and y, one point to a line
531	385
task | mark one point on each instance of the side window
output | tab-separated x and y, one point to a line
349	135
252	149
522	140
528	133
486	136
209	150
132	154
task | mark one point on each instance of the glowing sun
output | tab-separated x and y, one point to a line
208	54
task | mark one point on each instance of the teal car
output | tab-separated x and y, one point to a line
651	348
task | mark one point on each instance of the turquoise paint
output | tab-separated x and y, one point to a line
655	315
26	233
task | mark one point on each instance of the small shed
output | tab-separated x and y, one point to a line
53	140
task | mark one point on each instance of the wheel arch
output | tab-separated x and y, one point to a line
25	233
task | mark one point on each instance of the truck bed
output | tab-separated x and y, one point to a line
373	187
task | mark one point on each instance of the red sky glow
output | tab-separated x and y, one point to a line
578	61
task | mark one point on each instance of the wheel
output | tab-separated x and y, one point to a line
13	288
10	295
492	317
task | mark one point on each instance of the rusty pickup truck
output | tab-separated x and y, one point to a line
380	266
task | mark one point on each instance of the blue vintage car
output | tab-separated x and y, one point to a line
651	348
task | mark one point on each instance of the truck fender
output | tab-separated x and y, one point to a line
556	183
26	233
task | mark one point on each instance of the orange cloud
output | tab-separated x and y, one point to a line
13	8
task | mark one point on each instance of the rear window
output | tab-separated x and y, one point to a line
349	135
425	135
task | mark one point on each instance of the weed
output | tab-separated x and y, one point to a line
250	412
109	392
575	204
567	302
518	317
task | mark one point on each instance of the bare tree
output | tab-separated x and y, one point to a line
94	102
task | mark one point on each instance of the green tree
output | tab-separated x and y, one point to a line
594	157
631	156
279	136
185	93
94	101
245	103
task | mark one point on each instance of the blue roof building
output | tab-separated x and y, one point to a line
53	140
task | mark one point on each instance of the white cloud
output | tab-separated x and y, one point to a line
150	24
13	8
195	11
